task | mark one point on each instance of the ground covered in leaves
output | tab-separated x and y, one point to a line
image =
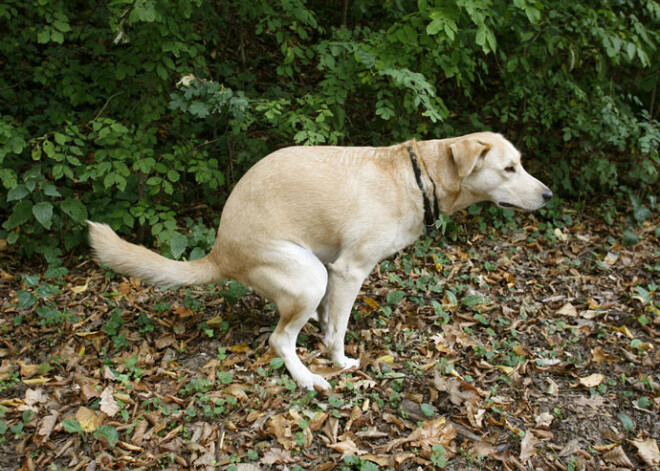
525	344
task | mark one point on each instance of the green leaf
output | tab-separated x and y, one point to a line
335	401
49	148
199	109
74	209
25	299
50	189
178	245
533	14
43	36
108	433
627	422
44	213
225	377
276	363
72	426
629	238
395	297
21	214
17	193
427	409
473	300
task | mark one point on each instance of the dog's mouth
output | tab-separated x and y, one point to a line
507	205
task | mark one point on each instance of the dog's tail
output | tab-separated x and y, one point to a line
140	262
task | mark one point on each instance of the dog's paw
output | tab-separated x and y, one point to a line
347	363
312	382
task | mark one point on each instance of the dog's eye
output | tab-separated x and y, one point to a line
510	168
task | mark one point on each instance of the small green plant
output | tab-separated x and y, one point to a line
438	456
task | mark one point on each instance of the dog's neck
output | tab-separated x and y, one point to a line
425	183
436	157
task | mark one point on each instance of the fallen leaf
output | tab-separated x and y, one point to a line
108	404
27	371
624	330
592	381
618	457
236	390
47	424
240	348
81	288
277	456
88	419
571	448
164	341
567	310
389	359
380	460
346	448
648	451
528	446
595	402
35	396
433	432
373	304
599	355
544	419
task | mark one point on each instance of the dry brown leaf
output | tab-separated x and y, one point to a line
475	413
599	355
346	448
648	451
80	288
277	456
528	446
457	395
88	419
35	396
483	449
108	404
624	330
433	432
27	371
544	419
567	310
594	402
571	448
236	390
553	388
240	348
592	381
279	427
165	340
618	457
138	434
47	424
36	381
380	460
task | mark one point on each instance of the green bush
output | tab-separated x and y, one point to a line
133	112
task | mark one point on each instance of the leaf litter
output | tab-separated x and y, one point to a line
519	347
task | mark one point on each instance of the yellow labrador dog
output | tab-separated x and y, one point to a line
306	225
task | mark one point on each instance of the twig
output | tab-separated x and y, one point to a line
106	104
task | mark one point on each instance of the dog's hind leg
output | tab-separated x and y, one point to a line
296	281
345	280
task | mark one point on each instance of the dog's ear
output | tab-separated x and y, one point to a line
466	154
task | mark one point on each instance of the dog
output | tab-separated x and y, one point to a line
305	226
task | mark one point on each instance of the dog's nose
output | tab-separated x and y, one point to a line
547	194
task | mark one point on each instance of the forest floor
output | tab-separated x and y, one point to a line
526	344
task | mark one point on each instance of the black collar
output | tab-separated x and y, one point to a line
431	210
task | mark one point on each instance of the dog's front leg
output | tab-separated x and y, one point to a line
344	282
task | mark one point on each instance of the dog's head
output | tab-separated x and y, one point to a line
489	169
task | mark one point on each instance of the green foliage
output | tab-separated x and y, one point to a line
133	112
